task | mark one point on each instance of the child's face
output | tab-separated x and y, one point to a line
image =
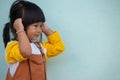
34	30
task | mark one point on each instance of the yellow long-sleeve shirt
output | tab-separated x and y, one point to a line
54	47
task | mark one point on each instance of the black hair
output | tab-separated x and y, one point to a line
28	11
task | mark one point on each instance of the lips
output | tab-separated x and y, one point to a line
37	35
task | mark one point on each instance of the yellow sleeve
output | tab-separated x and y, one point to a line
12	52
54	45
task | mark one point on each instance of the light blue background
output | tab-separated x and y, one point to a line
90	30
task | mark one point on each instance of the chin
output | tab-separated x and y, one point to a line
35	40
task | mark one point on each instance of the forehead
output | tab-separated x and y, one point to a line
37	23
33	24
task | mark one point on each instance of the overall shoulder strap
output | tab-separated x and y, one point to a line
29	69
43	56
40	48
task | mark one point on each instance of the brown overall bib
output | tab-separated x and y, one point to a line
32	69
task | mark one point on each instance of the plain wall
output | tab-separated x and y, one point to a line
90	30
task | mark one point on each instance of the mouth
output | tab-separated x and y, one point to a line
38	35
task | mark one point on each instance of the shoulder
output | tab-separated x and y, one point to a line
55	34
11	44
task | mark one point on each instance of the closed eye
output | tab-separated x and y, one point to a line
41	25
36	25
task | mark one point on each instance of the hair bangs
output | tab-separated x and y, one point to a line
32	14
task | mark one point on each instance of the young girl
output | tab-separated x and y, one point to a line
25	56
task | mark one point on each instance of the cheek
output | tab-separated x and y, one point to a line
30	33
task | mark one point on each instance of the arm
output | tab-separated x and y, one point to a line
47	31
54	45
23	41
13	52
